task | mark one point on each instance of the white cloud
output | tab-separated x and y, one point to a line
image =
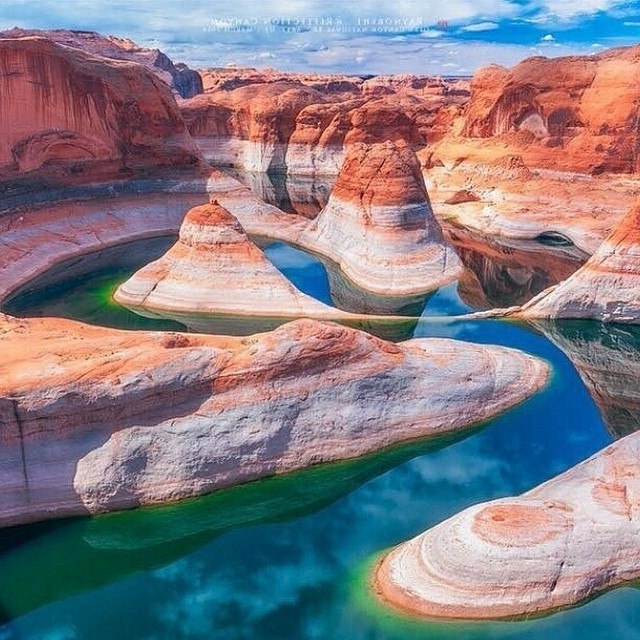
547	38
564	10
631	23
481	26
431	33
327	35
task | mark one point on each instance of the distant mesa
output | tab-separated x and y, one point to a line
304	123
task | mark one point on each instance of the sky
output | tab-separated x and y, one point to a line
448	37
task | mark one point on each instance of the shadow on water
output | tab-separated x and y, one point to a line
72	556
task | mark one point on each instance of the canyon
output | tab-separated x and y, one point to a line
517	188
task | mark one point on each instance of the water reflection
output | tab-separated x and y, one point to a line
300	194
498	275
607	357
77	555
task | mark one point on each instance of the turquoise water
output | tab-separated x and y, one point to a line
287	558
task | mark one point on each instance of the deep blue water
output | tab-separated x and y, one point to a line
287	558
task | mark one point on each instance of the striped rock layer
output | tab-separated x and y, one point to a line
379	227
215	268
606	287
557	545
97	419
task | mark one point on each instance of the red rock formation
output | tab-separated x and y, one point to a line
302	123
75	117
462	196
379	227
577	112
605	288
184	81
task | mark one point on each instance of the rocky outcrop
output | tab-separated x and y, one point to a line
185	82
605	287
74	117
462	196
557	545
379	227
148	417
577	112
215	271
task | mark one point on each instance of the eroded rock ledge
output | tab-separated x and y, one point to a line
555	546
143	417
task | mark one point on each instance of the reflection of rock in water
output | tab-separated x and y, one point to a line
501	276
304	195
395	329
348	296
607	357
110	547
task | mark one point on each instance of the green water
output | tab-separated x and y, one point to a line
287	558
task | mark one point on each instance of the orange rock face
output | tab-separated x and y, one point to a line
380	175
576	112
75	117
146	417
269	120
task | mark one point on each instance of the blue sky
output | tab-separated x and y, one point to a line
368	36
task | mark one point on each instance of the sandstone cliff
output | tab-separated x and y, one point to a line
75	117
263	121
577	112
184	81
